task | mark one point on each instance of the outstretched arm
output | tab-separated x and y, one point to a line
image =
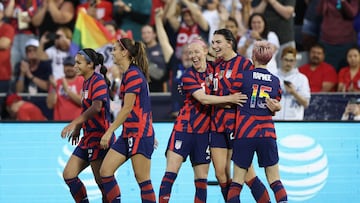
162	36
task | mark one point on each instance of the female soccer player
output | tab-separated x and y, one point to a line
229	67
190	135
94	120
255	130
136	141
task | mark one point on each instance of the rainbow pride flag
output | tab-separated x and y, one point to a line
89	33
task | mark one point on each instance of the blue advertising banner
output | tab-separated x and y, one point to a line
319	162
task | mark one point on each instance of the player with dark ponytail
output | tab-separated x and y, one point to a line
94	120
136	141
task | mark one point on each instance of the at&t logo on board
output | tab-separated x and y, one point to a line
303	166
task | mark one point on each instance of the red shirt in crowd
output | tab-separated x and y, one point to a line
324	72
65	109
349	83
103	10
29	112
6	31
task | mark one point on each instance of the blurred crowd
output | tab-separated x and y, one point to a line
315	44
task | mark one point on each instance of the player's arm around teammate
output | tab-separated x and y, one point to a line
190	136
258	135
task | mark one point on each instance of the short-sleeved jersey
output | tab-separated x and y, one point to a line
324	72
193	116
254	119
139	121
29	112
64	104
224	81
95	89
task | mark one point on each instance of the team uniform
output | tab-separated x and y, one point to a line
223	79
254	125
190	135
89	149
137	135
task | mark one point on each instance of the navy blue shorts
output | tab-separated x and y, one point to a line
134	145
265	148
221	140
188	144
91	153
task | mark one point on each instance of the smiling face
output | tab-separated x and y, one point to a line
221	46
70	71
257	24
197	54
148	34
82	66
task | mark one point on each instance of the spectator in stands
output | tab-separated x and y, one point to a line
115	32
337	31
177	66
258	29
295	85
211	12
65	93
311	26
279	15
322	76
232	25
157	63
132	15
57	52
352	110
32	73
191	26
21	110
53	14
238	9
98	9
7	34
349	77
19	14
154	6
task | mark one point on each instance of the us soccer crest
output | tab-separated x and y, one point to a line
85	94
228	74
221	74
178	144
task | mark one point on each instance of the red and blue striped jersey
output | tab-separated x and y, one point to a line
139	121
95	88
224	81
193	116
254	119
